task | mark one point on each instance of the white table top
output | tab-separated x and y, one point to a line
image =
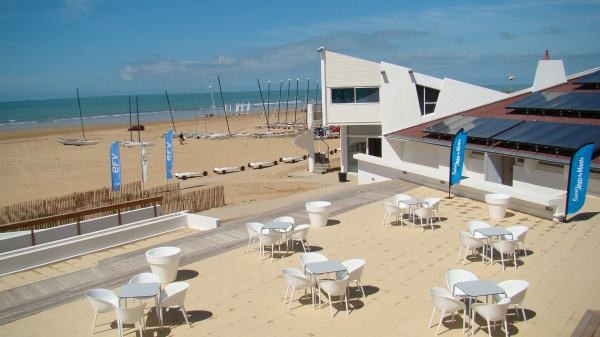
479	288
325	267
412	201
492	231
139	290
278	225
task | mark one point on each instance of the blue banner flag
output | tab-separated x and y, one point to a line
115	166
579	172
169	153
457	156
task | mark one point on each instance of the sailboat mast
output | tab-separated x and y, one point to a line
296	101
287	100
279	101
137	112
170	111
130	130
263	103
80	114
268	99
306	104
224	110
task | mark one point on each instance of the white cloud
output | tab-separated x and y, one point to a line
77	6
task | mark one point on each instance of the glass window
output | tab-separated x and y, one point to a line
375	147
427	99
367	95
342	95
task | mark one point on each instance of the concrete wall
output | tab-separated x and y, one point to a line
10	241
347	71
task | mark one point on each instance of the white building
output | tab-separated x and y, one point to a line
382	110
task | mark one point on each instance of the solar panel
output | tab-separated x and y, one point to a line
476	127
553	135
570	101
593	78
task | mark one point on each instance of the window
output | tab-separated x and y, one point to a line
427	99
355	95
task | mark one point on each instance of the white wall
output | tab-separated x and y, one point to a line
347	71
352	113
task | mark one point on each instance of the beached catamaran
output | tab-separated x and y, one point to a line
78	141
138	127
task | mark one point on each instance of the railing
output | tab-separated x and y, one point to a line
78	214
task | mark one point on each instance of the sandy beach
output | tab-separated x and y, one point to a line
35	166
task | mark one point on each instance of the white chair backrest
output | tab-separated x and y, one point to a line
423	212
444	301
254	228
355	268
130	315
390	208
311	257
295	278
458	275
432	203
515	290
467	240
475	224
299	233
505	246
269	239
145	278
518	232
102	300
285	219
494	312
335	287
399	197
173	294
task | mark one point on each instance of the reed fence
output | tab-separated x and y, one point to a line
173	201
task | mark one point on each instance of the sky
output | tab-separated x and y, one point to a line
125	47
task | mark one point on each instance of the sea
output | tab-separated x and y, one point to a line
117	110
125	110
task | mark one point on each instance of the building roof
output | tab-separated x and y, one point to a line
499	111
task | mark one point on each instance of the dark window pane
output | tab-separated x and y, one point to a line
429	108
375	147
431	95
367	95
342	95
420	94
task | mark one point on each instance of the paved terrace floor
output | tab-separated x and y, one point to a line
236	293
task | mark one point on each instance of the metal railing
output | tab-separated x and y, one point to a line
79	214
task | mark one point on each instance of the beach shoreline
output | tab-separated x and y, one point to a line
35	166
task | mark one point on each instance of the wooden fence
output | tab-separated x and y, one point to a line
173	201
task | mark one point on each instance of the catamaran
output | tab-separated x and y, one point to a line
78	141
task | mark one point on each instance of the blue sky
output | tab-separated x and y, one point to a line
107	47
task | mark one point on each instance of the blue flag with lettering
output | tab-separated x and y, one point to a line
169	153
457	156
579	172
115	166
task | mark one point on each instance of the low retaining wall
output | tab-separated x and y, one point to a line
15	240
49	252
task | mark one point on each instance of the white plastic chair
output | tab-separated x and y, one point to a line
306	258
286	218
518	234
102	301
254	229
334	288
144	278
131	315
355	269
390	209
446	303
300	233
172	296
504	247
492	313
423	213
270	239
454	276
515	291
476	224
469	243
296	280
434	204
398	198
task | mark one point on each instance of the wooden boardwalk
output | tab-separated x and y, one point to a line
112	272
